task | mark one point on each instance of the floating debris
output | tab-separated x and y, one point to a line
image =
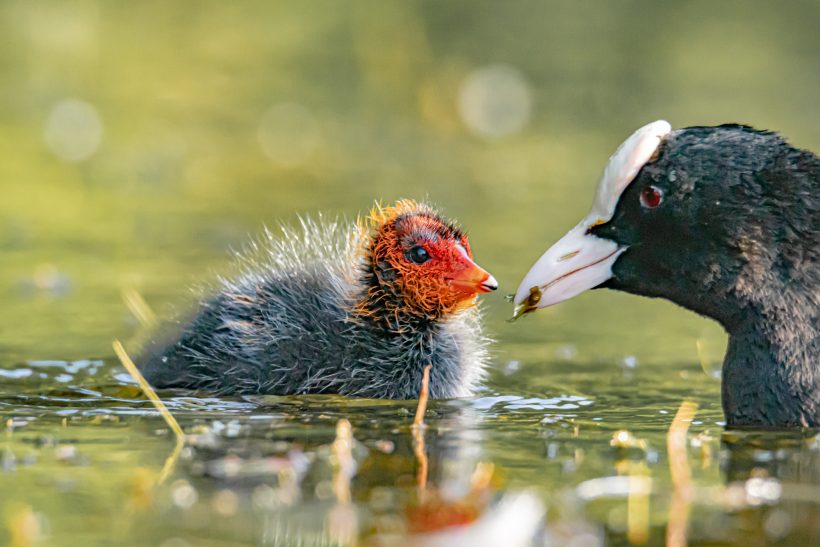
626	439
613	487
65	453
384	446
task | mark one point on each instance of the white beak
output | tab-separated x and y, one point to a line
577	262
580	260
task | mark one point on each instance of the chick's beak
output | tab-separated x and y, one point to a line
577	262
474	279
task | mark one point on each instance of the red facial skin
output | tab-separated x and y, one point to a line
447	282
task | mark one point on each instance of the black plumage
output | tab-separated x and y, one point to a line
319	310
736	238
724	221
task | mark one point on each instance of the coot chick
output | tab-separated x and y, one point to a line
724	221
357	310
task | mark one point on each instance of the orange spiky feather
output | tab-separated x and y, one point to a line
398	286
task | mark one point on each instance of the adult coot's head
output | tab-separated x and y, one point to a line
726	222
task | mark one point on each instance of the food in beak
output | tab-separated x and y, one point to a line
577	262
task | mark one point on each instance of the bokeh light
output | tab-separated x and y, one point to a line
495	101
73	131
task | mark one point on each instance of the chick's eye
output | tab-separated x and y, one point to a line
418	254
651	197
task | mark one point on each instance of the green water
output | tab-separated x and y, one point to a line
200	122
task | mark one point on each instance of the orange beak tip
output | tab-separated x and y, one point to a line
474	280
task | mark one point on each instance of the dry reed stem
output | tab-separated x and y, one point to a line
341	522
423	397
676	441
137	305
418	431
344	464
149	392
637	503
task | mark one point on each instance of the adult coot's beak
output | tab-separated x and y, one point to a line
577	262
474	279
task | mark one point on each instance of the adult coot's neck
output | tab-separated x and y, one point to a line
772	366
771	373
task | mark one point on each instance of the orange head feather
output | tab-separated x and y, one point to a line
418	264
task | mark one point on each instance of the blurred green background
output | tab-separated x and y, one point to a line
141	141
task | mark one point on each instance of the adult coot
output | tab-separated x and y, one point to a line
724	221
357	310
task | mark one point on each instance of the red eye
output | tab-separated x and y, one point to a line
651	197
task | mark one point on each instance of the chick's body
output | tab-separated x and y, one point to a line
296	322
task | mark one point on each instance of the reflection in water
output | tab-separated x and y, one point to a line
349	484
777	475
287	470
